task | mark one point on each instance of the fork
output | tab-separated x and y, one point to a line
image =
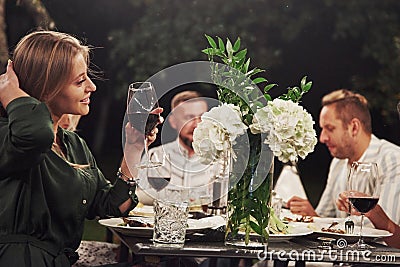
348	223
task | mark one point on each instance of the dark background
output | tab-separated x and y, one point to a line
350	44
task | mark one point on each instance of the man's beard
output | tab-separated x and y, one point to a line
187	142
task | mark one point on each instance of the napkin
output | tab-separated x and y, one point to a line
289	184
142	210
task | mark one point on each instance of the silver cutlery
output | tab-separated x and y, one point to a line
348	223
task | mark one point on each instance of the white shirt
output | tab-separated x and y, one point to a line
387	156
186	171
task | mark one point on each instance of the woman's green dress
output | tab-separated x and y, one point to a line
43	199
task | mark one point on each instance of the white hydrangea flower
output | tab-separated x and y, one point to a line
289	129
217	132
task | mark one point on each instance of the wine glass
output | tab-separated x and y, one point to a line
159	177
141	101
364	189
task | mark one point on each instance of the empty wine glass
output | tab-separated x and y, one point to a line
142	99
364	186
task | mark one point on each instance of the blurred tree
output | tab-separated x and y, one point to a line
3	36
376	28
38	13
170	32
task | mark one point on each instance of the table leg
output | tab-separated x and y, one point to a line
278	263
123	253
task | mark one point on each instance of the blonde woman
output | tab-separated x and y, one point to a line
49	179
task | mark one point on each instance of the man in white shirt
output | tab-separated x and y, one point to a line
346	131
186	168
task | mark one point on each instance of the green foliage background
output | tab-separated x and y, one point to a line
169	32
353	44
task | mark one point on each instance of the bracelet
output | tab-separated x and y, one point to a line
129	180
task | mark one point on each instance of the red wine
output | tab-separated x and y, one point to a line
138	121
364	204
158	183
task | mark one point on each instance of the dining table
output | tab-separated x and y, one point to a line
313	246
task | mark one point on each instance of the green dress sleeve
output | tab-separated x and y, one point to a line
24	141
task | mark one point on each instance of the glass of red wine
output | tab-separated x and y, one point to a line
159	177
364	189
142	99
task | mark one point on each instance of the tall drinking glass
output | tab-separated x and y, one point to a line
364	185
142	99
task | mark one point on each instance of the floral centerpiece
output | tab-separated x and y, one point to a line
251	128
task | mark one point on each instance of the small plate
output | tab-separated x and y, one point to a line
369	233
116	224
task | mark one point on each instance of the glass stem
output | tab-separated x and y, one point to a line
146	149
361	240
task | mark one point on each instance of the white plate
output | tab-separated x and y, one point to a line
296	230
115	223
368	232
327	220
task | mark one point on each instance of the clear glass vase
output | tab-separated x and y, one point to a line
249	197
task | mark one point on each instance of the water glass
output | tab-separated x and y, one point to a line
276	204
170	223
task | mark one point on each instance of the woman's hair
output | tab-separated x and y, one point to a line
349	105
43	60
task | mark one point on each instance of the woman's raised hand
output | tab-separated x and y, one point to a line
9	86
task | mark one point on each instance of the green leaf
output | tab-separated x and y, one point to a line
246	65
241	64
269	86
259	80
241	54
219	53
211	41
229	49
307	87
267	97
303	81
258	104
236	46
254	71
209	51
221	44
255	228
